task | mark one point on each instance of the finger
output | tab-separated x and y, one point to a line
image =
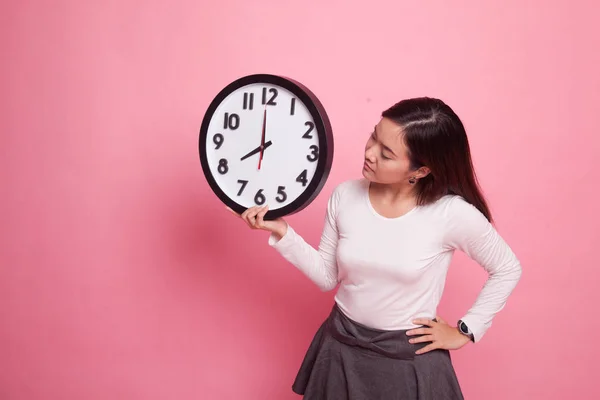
245	213
251	213
439	319
256	220
428	348
421	339
424	321
263	210
420	331
248	222
252	219
248	216
260	216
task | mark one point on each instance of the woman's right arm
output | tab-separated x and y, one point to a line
319	265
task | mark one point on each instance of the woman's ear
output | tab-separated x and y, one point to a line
423	172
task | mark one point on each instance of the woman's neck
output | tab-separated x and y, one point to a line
393	193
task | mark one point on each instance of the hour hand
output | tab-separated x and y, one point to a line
256	150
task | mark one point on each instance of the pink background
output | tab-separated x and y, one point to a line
120	277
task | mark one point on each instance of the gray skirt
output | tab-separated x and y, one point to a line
350	361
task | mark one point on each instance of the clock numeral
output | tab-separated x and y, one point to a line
293	106
248	101
282	195
218	140
314	154
259	198
223	168
311	126
302	178
271	101
231	121
244	183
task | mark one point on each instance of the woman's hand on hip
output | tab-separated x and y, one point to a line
254	218
439	333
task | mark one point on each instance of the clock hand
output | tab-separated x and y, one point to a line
262	140
256	150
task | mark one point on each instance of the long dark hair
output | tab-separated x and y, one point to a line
436	138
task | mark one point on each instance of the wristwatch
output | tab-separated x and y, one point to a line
464	329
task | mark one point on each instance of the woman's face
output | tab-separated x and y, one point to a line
386	155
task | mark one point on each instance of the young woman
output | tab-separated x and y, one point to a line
387	242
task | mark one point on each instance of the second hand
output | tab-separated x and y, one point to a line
262	140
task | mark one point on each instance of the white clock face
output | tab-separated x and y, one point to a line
290	152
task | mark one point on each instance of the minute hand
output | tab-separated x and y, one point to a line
262	140
256	150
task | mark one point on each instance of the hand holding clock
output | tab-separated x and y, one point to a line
254	217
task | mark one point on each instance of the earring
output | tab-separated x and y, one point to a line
412	180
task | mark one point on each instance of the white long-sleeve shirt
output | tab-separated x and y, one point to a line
393	270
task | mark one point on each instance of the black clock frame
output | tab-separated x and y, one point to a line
322	124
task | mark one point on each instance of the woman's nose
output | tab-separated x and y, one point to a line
370	154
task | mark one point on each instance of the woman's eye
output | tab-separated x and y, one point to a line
387	158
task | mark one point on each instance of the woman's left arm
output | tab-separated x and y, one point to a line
469	231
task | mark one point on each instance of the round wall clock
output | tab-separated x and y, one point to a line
266	139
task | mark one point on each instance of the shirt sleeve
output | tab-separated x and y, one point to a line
470	232
319	265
